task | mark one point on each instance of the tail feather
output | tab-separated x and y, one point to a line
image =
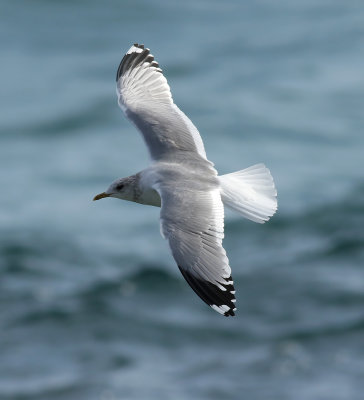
250	192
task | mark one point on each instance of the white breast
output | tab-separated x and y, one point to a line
150	197
147	195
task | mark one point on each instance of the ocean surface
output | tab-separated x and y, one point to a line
92	305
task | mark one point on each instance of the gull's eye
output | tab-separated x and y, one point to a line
119	186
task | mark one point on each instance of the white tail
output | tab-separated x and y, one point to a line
250	192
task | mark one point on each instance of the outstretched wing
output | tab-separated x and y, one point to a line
145	97
193	223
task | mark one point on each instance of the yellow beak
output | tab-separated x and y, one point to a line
101	196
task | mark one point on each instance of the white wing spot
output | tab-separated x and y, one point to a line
221	309
134	49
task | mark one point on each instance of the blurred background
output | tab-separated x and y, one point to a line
92	306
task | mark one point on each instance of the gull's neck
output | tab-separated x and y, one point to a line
143	192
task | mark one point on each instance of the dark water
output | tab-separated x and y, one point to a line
91	303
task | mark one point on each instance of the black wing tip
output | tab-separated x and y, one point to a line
230	313
211	294
135	58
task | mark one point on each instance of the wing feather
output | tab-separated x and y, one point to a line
193	223
145	97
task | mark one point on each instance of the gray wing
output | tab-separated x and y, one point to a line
193	223
145	97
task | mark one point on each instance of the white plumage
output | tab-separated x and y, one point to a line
184	183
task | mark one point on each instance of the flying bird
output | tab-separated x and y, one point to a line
184	183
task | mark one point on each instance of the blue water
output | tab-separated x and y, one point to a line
92	306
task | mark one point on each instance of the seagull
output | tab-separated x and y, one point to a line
184	183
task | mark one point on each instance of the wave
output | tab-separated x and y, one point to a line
327	330
67	122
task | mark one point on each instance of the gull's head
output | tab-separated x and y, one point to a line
123	188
